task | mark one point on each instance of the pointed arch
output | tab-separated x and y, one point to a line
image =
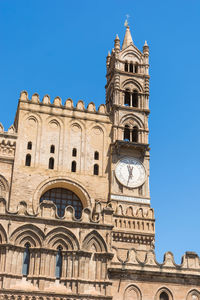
119	210
4	187
192	293
131	50
132	292
131	118
61	237
129	211
27	234
132	83
163	293
3	235
94	240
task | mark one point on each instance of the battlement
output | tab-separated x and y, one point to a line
57	102
48	210
132	261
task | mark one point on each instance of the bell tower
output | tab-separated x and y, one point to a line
127	100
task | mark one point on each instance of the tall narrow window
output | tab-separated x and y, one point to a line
51	163
28	160
73	168
136	68
135	134
131	68
29	146
127	99
58	270
135	99
96	169
74	152
164	296
52	149
96	155
26	260
126	133
126	67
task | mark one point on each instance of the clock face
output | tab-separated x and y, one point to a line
130	172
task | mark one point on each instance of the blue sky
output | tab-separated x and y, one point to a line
59	48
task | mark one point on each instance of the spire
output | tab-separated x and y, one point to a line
127	39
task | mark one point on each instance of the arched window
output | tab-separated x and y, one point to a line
28	160
96	155
62	198
51	163
164	296
135	99
131	68
127	99
58	270
126	133
74	152
136	68
96	169
26	260
73	168
126	67
135	134
29	146
52	149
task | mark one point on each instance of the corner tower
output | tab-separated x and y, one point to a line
127	100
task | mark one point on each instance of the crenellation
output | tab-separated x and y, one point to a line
57	102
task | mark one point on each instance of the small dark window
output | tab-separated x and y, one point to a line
52	149
126	67
28	160
29	146
131	68
58	270
96	155
73	168
96	169
135	134
126	133
136	68
127	100
135	99
26	260
164	296
74	152
51	163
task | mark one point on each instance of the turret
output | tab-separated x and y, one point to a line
108	60
117	44
146	57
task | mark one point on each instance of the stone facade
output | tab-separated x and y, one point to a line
71	226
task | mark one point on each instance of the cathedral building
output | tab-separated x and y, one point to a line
75	211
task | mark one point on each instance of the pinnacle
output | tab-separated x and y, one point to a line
127	38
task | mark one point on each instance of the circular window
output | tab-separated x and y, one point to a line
63	198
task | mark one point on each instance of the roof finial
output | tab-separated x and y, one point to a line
126	21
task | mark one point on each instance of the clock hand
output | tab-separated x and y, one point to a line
130	170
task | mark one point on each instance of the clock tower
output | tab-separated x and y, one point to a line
127	100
